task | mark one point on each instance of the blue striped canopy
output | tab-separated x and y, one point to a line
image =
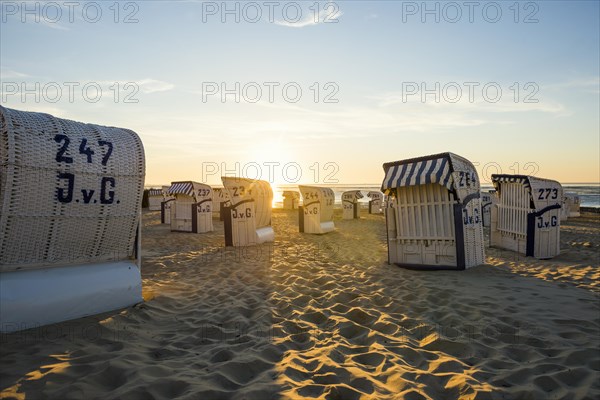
418	171
182	188
155	192
522	179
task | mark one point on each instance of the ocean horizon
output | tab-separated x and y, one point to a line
588	192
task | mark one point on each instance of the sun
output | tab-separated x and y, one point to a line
269	158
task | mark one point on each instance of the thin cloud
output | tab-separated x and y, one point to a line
7	73
54	25
324	16
506	104
154	86
585	83
145	86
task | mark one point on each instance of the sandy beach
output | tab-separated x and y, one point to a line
325	317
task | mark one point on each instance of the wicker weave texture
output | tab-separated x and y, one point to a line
70	192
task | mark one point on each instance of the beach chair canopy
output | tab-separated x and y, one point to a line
198	191
352	195
220	195
454	172
291	194
374	195
542	192
155	192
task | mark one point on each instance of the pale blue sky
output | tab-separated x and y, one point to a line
371	54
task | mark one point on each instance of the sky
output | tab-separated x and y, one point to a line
318	92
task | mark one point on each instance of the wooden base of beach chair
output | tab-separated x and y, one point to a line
38	297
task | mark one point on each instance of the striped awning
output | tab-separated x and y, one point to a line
155	192
182	188
522	179
433	169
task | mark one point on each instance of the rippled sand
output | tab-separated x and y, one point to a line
326	317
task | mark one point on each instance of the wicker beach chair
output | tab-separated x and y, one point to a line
220	201
376	202
488	200
316	212
70	211
433	212
527	216
155	198
571	206
247	220
350	208
165	206
291	199
192	209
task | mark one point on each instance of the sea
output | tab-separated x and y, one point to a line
589	193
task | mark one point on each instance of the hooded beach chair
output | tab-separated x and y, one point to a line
316	212
487	202
571	206
527	216
192	209
376	202
220	201
155	198
247	220
165	206
70	210
291	199
350	208
433	212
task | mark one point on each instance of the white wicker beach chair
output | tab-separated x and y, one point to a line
291	199
165	206
488	200
433	212
316	212
155	198
192	209
571	206
350	208
376	202
574	203
220	201
70	210
248	219
527	216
